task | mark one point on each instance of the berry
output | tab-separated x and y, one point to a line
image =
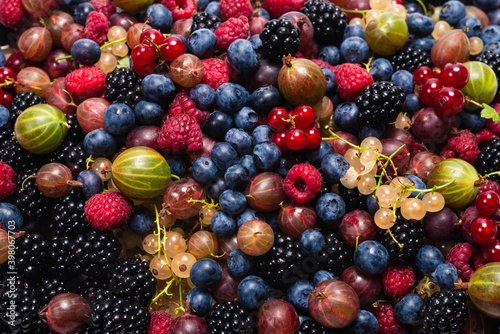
123	86
160	322
313	327
96	27
409	236
398	279
351	81
97	253
277	118
354	200
180	134
142	54
276	8
444	312
86	82
421	74
14	155
107	210
459	256
205	20
463	146
454	75
12	13
488	160
235	8
68	216
72	155
386	317
483	230
217	72
61	259
28	198
49	288
172	47
231	30
181	9
487	202
296	139
106	7
22	101
328	20
410	59
428	90
31	254
229	317
492	59
302	183
279	38
7	181
183	104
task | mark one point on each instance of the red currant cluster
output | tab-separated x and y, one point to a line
7	80
440	88
153	45
295	129
483	229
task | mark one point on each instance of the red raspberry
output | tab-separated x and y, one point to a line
182	104
180	134
7	181
462	146
217	72
235	8
459	256
276	8
386	317
96	27
302	183
181	9
160	322
351	81
231	30
106	7
107	210
490	185
485	135
398	279
86	82
11	13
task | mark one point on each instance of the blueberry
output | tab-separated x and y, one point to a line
160	17
200	301
330	208
265	98
216	187
247	162
2	59
202	43
148	113
242	56
298	295
252	292
364	323
240	140
413	7
239	263
262	133
11	217
311	242
492	46
248	214
346	117
119	119
232	202
231	97
205	273
321	276
315	155
264	13
371	257
330	55
71	4
4	115
331	85
428	258
407	310
141	221
256	45
333	167
100	143
470	26
418	184
218	124
490	34
158	88
203	170
224	155
202	4
352	30
452	12
86	52
420	25
267	156
445	275
366	131
493	15
485	5
203	96
381	70
246	119
213	8
424	43
237	177
92	182
412	104
372	204
472	121
354	50
404	79
177	164
223	224
81	12
287	161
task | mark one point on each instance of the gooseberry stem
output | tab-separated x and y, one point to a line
173	176
433	189
491	174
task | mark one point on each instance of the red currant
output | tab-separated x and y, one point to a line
6	99
483	230
488	203
421	74
491	252
145	70
142	55
454	75
7	73
152	38
429	88
172	47
279	138
436	71
276	118
449	101
313	137
304	115
296	139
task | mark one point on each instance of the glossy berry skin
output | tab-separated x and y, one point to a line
200	301
313	137
152	38
86	52
172	47
296	139
303	115
407	308
428	90
491	252
203	170
421	74
119	119
205	273
141	221
371	257
365	322
487	203
279	138
252	292
428	258
277	118
142	55
92	182
449	101
298	295
483	230
239	263
445	275
454	75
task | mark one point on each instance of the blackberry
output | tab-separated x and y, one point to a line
14	155
31	255
380	103
336	256
75	131
28	198
22	101
132	280
68	217
444	312
205	20
61	260
410	59
279	38
488	160
97	252
72	155
353	199
328	20
229	317
313	327
491	59
409	234
123	86
111	315
49	288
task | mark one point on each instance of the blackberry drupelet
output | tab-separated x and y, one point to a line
22	101
14	155
336	256
111	315
132	280
28	198
353	199
31	256
97	252
49	288
205	20
488	160
444	312
61	260
492	59
123	86
229	317
410	59
328	20
380	103
72	155
68	217
75	131
279	38
409	234
313	327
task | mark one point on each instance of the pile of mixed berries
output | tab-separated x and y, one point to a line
274	167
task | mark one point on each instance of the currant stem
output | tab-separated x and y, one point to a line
89	160
175	177
477	104
491	174
433	189
164	291
394	238
423	6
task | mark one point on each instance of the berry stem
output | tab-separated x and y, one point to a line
491	174
164	291
433	189
423	6
89	160
175	177
108	43
157	221
394	238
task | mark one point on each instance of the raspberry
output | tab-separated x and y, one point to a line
107	210
106	7
490	185
462	146
231	30
183	104
180	134
459	256
276	8
302	183
181	9
7	181
235	8
96	27
11	13
386	317
398	279
160	322
351	81
86	82
217	72
484	135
